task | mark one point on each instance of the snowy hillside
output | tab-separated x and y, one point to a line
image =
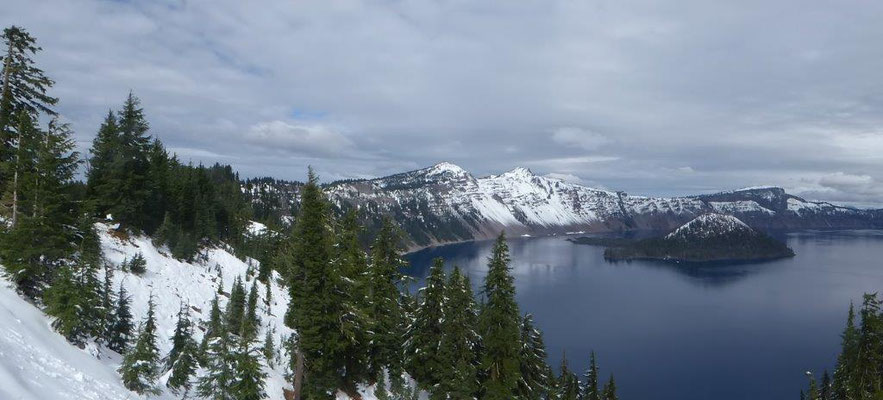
36	362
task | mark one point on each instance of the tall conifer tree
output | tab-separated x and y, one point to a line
498	325
425	363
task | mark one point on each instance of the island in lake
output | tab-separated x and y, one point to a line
708	237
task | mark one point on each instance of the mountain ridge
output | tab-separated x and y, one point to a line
445	203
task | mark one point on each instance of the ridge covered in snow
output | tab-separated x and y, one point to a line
445	203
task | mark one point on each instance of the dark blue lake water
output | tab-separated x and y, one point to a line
724	332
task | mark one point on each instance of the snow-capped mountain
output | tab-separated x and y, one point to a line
445	203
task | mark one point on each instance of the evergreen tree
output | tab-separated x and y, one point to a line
183	334
182	358
610	390
825	389
137	265
866	379
269	349
352	291
23	90
813	392
235	312
386	308
217	382
184	368
460	342
535	373
251	321
591	390
108	305
64	302
140	367
498	325
118	175
215	326
425	363
843	373
567	387
317	309
248	378
121	334
43	235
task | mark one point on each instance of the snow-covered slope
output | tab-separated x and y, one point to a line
445	203
37	363
708	225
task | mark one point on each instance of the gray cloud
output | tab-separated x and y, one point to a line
656	98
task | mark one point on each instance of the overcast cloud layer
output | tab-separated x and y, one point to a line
651	97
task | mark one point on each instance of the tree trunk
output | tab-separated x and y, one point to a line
298	374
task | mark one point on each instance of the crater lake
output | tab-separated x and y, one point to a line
687	332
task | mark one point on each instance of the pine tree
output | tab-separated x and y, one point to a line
866	379
248	381
386	308
813	392
825	390
183	333
610	390
498	325
235	312
844	372
43	235
182	358
64	302
568	384
460	341
269	349
425	363
318	308
535	373
591	390
108	306
140	367
121	334
352	292
23	90
216	383
251	321
215	326
137	265
117	180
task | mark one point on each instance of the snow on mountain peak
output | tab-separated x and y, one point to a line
445	167
519	172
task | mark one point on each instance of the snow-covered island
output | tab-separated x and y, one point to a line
708	237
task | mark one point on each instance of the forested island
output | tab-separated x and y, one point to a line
707	238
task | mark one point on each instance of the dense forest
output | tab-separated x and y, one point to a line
355	323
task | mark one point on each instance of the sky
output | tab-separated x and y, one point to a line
650	97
